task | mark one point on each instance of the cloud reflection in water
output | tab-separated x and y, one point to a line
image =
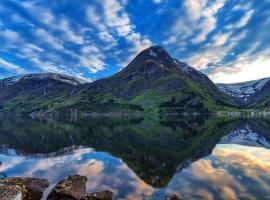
231	172
103	171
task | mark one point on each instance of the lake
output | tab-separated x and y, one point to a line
143	157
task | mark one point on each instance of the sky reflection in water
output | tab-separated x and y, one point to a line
231	171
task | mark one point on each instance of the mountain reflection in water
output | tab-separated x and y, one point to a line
144	158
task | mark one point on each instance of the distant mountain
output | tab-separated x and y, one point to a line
31	92
152	82
251	93
39	76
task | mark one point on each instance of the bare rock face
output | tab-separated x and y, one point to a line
104	195
22	188
71	188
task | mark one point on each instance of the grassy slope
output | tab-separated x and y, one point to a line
150	100
193	98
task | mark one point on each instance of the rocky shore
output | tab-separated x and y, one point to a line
71	188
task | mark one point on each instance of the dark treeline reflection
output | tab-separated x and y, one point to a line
153	148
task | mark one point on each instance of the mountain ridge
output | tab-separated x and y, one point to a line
253	94
152	82
64	78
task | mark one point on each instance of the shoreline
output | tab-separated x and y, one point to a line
72	187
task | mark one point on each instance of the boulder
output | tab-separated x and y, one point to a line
10	192
172	197
104	195
22	188
71	188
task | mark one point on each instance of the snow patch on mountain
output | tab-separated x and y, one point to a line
63	78
185	68
245	136
243	90
9	81
152	53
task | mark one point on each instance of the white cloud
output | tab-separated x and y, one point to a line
221	38
105	36
11	67
206	26
195	8
94	64
47	38
56	23
69	34
42	14
91	49
244	20
114	23
207	15
247	66
214	52
194	21
47	66
242	70
10	35
53	32
93	17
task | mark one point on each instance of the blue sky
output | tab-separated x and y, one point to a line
228	40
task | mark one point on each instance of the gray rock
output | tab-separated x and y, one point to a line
10	192
172	197
20	188
104	195
71	188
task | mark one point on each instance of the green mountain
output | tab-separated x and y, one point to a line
153	82
35	92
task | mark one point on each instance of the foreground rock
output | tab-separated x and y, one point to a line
104	195
172	197
22	188
73	188
10	192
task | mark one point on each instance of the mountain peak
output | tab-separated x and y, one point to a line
154	55
156	51
158	56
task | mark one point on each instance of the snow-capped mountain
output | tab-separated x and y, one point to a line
243	91
246	136
59	77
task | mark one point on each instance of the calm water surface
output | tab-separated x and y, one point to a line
144	158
